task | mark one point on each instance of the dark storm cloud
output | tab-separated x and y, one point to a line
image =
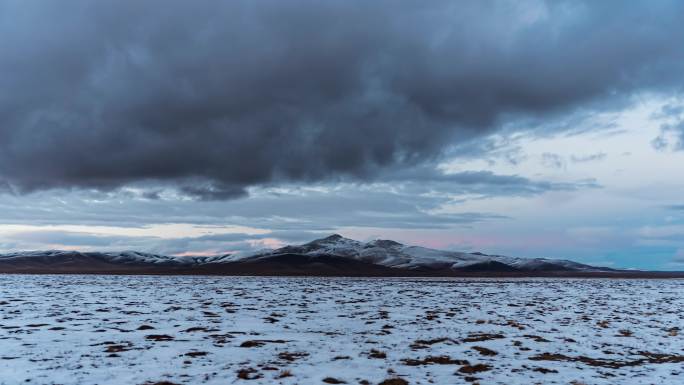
217	96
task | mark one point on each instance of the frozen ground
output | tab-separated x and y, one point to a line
226	330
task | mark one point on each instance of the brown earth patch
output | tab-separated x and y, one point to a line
248	374
332	380
479	337
649	358
259	343
484	351
394	381
292	356
159	337
470	369
430	360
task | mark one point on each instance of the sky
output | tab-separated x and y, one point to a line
526	128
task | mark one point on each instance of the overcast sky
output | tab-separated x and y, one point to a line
526	128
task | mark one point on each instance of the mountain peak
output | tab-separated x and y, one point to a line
329	239
380	252
385	243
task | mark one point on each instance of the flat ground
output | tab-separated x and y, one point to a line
71	329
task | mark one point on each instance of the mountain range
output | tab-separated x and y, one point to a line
330	256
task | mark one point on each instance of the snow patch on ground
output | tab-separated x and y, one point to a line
75	329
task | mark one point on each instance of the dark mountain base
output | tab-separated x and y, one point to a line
318	269
294	264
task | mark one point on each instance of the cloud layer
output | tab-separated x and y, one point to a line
214	97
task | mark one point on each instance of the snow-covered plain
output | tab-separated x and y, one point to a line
72	329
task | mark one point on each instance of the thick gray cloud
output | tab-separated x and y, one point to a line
218	96
484	183
325	210
217	243
410	198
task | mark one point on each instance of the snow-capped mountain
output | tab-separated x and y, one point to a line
124	257
396	255
331	255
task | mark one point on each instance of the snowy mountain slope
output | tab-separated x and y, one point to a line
124	257
396	255
330	251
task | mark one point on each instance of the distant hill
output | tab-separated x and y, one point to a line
330	256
